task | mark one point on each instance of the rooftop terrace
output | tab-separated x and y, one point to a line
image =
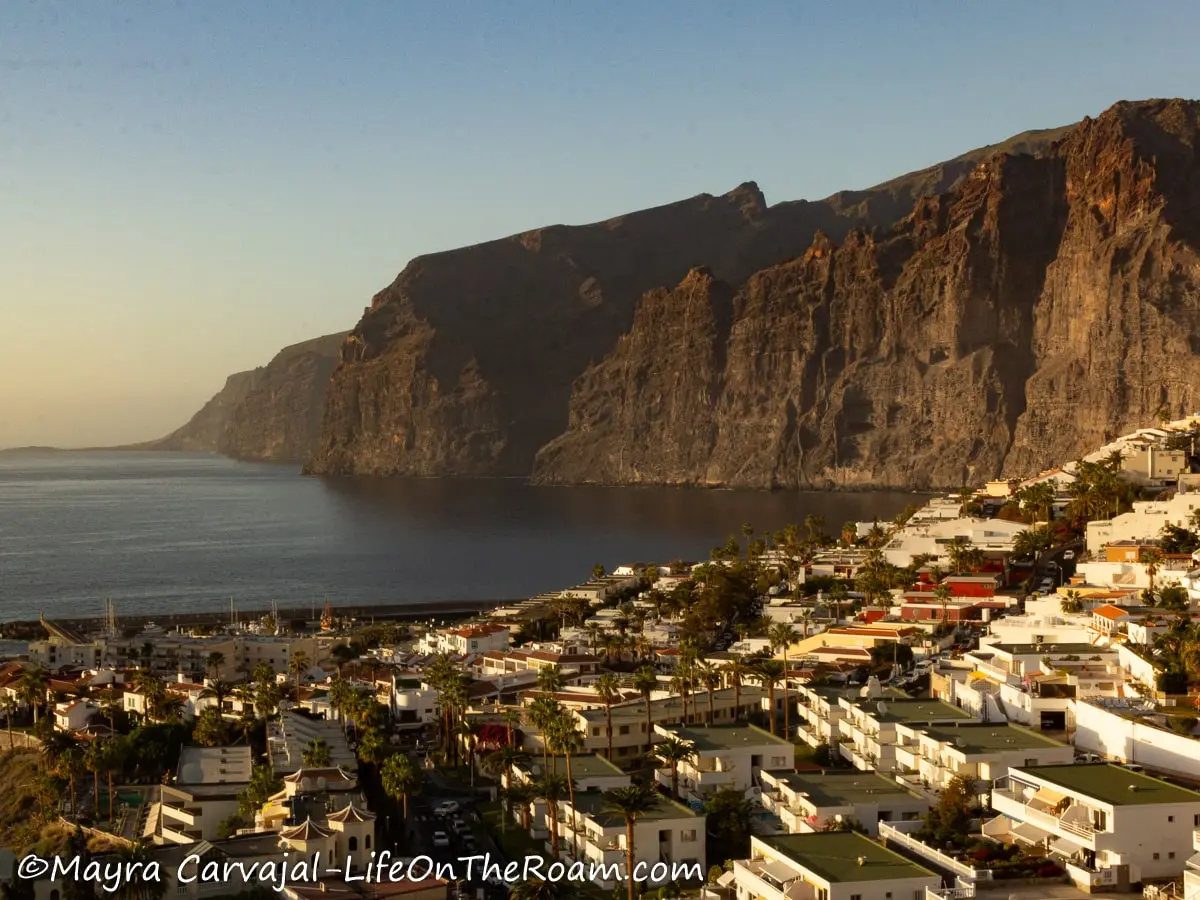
726	737
834	856
972	738
826	789
1111	784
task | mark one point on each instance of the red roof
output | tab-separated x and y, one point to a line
1108	611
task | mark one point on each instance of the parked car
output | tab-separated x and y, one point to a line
468	842
441	839
446	808
1132	767
1069	555
459	827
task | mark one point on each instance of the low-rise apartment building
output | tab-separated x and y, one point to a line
629	718
725	756
291	734
466	640
931	756
1112	826
805	802
868	730
205	792
829	865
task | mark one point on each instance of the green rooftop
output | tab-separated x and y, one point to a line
826	789
593	804
586	765
726	737
834	856
1110	784
972	738
916	710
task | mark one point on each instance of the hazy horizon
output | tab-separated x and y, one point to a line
190	188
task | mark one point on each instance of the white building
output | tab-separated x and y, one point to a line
829	865
813	801
291	734
932	537
468	639
1113	827
206	791
1145	520
726	756
869	727
931	756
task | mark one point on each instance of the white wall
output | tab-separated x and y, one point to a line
1102	731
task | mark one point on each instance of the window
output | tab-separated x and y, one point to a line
353	845
856	897
885	815
1196	821
624	729
1156	855
689	835
1170	818
367	842
1171	855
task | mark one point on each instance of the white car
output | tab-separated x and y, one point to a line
1069	555
445	808
441	839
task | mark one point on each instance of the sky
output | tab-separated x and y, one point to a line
188	187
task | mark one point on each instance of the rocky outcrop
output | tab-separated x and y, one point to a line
1043	305
269	413
465	365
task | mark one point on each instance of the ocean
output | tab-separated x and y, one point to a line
162	533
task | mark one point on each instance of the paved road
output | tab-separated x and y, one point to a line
422	825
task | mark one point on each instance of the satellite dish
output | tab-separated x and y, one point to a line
959	742
881	708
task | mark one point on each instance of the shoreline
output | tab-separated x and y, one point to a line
19	629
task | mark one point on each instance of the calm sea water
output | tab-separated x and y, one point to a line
168	532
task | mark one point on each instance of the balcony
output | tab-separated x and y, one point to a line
771	880
1013	804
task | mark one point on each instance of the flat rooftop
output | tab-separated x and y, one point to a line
726	737
1110	784
972	738
594	805
826	789
834	856
912	710
587	765
214	765
1080	649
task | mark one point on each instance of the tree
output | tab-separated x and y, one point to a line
218	690
710	676
550	679
317	754
782	636
608	691
213	663
630	803
542	712
965	557
1037	500
646	682
299	666
1174	597
342	654
1032	542
943	594
672	752
133	858
551	788
768	673
400	780
537	889
518	795
1152	559
31	687
373	748
211	729
1072	602
730	823
598	571
264	784
566	740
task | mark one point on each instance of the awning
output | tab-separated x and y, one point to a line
1027	832
781	872
726	879
1065	847
1049	797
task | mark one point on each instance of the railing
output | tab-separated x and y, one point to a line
1091	877
920	848
954	893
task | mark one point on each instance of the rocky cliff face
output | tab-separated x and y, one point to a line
466	364
1041	306
269	413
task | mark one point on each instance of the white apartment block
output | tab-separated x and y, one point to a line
805	802
931	756
921	537
205	792
465	640
1145	520
869	729
725	756
1113	827
829	865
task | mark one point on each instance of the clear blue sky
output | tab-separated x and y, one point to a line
187	187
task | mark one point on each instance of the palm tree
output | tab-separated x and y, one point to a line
839	595
511	716
32	688
943	594
768	673
520	795
551	788
9	704
317	755
501	762
93	761
373	749
631	803
217	689
672	752
710	676
608	690
550	678
566	741
400	779
646	682
71	765
298	666
542	712
213	663
134	858
782	636
736	673
1152	559
536	889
